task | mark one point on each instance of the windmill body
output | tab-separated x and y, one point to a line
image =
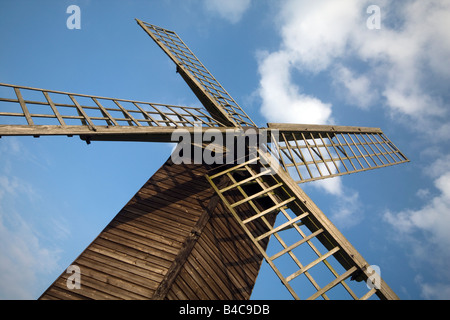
200	228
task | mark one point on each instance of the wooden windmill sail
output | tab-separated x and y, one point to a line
200	230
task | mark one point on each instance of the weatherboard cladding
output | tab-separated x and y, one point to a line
166	243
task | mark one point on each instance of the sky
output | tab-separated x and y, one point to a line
375	63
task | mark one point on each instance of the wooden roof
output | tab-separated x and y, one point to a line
173	240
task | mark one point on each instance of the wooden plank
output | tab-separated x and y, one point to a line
24	107
256	244
218	261
167	207
194	277
149	224
126	258
90	291
239	259
180	291
130	250
214	271
185	251
229	253
102	133
141	237
161	254
116	268
172	199
108	284
229	249
56	293
229	231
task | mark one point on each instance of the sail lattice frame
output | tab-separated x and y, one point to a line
313	152
282	196
210	92
33	111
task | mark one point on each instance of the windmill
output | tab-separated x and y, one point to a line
200	229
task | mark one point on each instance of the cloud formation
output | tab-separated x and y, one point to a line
400	69
282	99
425	231
25	260
231	10
329	36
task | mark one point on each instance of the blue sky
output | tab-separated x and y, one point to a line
285	61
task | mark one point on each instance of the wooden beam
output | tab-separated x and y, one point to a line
24	107
102	133
290	127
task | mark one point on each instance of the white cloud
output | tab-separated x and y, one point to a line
440	166
332	186
316	32
425	230
433	218
282	100
356	89
393	67
408	56
347	209
435	291
346	204
231	10
23	258
328	36
12	186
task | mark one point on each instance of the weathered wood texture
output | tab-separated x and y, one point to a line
173	240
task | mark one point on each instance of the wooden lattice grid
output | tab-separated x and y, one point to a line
184	58
32	106
306	234
313	152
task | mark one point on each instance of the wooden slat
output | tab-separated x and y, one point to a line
271	209
86	120
312	264
110	120
127	114
24	107
295	245
54	109
333	283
